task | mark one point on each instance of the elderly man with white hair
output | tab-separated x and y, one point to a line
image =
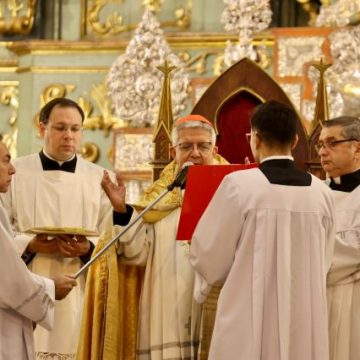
168	315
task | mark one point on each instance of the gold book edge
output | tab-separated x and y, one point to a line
51	230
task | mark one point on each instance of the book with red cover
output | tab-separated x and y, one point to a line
201	183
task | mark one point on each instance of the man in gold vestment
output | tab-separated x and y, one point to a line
168	316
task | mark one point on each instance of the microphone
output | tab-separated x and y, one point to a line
180	177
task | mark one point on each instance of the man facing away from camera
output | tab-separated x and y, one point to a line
267	235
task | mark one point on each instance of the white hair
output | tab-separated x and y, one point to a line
192	124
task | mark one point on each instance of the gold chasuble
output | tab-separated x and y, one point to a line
109	323
110	317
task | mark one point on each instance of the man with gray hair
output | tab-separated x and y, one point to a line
168	325
339	150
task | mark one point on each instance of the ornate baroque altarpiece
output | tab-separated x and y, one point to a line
33	72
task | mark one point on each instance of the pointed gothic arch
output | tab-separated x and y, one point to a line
229	101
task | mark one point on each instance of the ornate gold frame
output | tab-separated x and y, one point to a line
9	96
113	25
18	24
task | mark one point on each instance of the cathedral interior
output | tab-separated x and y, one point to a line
115	57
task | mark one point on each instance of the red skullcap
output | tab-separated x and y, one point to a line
193	117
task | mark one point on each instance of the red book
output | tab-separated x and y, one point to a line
201	184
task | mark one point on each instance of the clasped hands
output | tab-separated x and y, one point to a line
64	244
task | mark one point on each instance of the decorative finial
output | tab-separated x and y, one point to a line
321	66
166	69
321	107
162	134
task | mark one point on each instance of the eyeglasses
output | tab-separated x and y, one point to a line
331	144
248	135
63	129
201	146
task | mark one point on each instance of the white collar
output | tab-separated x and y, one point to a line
277	157
58	161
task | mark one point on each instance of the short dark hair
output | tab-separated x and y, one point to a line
275	123
59	102
350	126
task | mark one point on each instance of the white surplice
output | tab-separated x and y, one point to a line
24	298
61	199
270	246
167	310
343	290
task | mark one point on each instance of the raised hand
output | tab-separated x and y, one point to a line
115	192
63	285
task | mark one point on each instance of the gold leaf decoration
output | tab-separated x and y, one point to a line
90	151
9	96
11	22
